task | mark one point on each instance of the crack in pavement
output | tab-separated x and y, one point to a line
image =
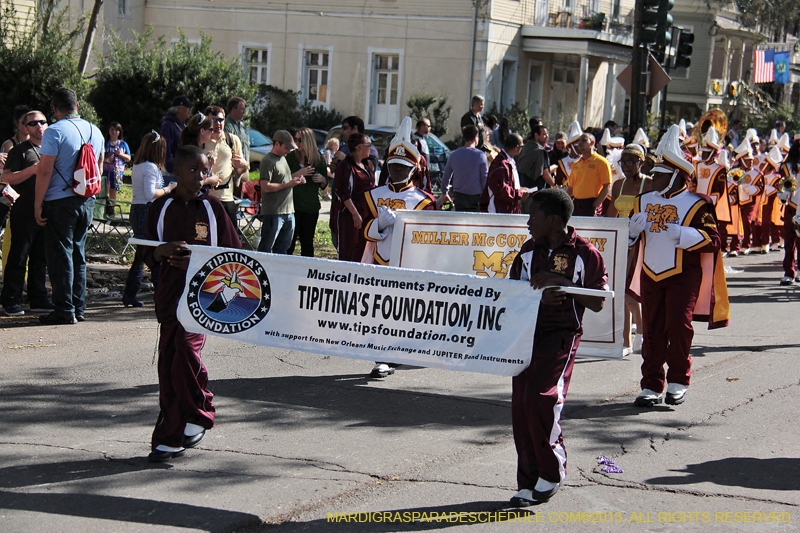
644	487
288	363
724	411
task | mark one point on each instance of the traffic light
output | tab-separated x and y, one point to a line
656	22
683	51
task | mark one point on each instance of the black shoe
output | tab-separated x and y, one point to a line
13	310
157	456
194	440
57	319
676	394
133	302
523	498
43	307
80	317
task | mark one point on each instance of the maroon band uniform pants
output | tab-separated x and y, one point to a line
182	385
791	252
667	310
537	398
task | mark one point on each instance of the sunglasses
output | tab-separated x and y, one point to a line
298	140
365	144
206	129
217	120
33	123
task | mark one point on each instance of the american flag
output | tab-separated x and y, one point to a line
765	66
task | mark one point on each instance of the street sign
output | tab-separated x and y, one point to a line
657	78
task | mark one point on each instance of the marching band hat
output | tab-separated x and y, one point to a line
773	138
616	142
712	139
775	157
402	150
743	150
641	138
752	136
606	138
635	150
573	132
723	160
670	155
682	128
784	143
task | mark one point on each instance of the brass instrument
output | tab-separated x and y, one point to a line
736	176
717	118
788	184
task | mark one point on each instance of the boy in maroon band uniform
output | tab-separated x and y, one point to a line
554	256
185	216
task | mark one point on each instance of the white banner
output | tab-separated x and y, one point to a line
486	245
375	313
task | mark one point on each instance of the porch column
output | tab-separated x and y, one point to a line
610	104
582	83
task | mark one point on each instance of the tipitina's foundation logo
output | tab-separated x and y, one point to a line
230	293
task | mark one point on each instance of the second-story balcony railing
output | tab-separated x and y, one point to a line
608	16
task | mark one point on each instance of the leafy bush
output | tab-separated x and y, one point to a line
139	78
766	121
277	109
318	117
36	62
518	120
274	109
434	107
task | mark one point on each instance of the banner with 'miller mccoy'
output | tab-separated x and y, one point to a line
375	313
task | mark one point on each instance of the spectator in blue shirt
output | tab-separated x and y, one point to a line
466	171
65	215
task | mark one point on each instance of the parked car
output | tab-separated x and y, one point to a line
321	136
380	137
260	145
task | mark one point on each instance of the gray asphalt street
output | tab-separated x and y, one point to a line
305	442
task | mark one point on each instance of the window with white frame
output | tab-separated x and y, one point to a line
387	69
316	76
257	61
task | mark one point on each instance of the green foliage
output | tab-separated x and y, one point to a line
434	107
317	117
35	63
274	109
518	120
139	78
764	122
277	109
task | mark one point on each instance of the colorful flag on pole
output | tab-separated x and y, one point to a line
764	66
782	67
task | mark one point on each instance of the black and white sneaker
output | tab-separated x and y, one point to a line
381	370
676	393
13	310
647	398
787	280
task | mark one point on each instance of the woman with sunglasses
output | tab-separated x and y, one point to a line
350	181
623	197
306	196
147	183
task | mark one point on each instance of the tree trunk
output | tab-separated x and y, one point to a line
87	42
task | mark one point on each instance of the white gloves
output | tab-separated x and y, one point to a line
386	217
674	233
784	196
637	225
751	189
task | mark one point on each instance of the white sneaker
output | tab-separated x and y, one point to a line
746	251
676	393
523	498
626	351
647	398
381	370
787	280
638	341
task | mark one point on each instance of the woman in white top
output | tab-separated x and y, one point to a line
148	184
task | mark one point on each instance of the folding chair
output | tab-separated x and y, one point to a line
248	216
108	220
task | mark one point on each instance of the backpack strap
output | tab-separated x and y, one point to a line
67	185
212	223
